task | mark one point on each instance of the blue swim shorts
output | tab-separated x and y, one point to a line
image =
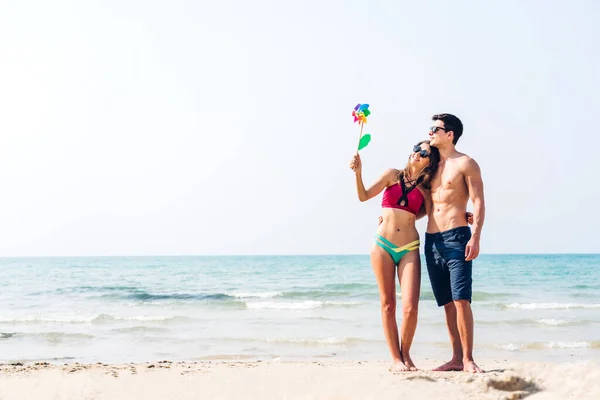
449	273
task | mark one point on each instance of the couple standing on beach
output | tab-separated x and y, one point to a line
437	181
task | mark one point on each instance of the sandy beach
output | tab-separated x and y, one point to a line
294	380
313	322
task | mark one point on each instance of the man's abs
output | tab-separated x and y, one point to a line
444	217
448	207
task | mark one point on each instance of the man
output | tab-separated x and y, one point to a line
450	246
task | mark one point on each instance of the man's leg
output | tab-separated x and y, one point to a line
461	280
439	277
456	363
464	319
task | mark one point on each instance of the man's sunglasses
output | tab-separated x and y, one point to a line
434	129
422	153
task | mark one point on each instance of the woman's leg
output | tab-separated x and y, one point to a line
409	274
385	274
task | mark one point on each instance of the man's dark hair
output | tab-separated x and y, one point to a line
451	123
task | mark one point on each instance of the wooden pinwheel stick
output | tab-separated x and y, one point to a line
362	124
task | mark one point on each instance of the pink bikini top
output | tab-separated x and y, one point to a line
399	196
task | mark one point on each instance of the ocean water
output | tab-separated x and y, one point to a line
136	309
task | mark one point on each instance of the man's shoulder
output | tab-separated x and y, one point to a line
469	166
465	160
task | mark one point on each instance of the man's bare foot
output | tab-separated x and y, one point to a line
409	362
398	366
470	366
452	365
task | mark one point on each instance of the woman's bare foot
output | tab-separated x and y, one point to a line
452	365
470	366
409	362
398	366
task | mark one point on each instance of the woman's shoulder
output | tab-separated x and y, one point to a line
392	174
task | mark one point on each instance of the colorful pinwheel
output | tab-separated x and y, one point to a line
360	114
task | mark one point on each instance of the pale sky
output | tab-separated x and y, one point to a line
223	127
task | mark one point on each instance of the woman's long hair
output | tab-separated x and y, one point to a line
426	175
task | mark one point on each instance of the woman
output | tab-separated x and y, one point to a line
397	243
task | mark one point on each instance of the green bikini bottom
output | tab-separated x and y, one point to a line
396	252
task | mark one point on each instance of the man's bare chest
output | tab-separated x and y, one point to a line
448	180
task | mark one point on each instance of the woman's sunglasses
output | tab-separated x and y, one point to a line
422	153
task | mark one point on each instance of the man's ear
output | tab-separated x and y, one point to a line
452	137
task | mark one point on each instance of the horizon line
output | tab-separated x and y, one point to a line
275	255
